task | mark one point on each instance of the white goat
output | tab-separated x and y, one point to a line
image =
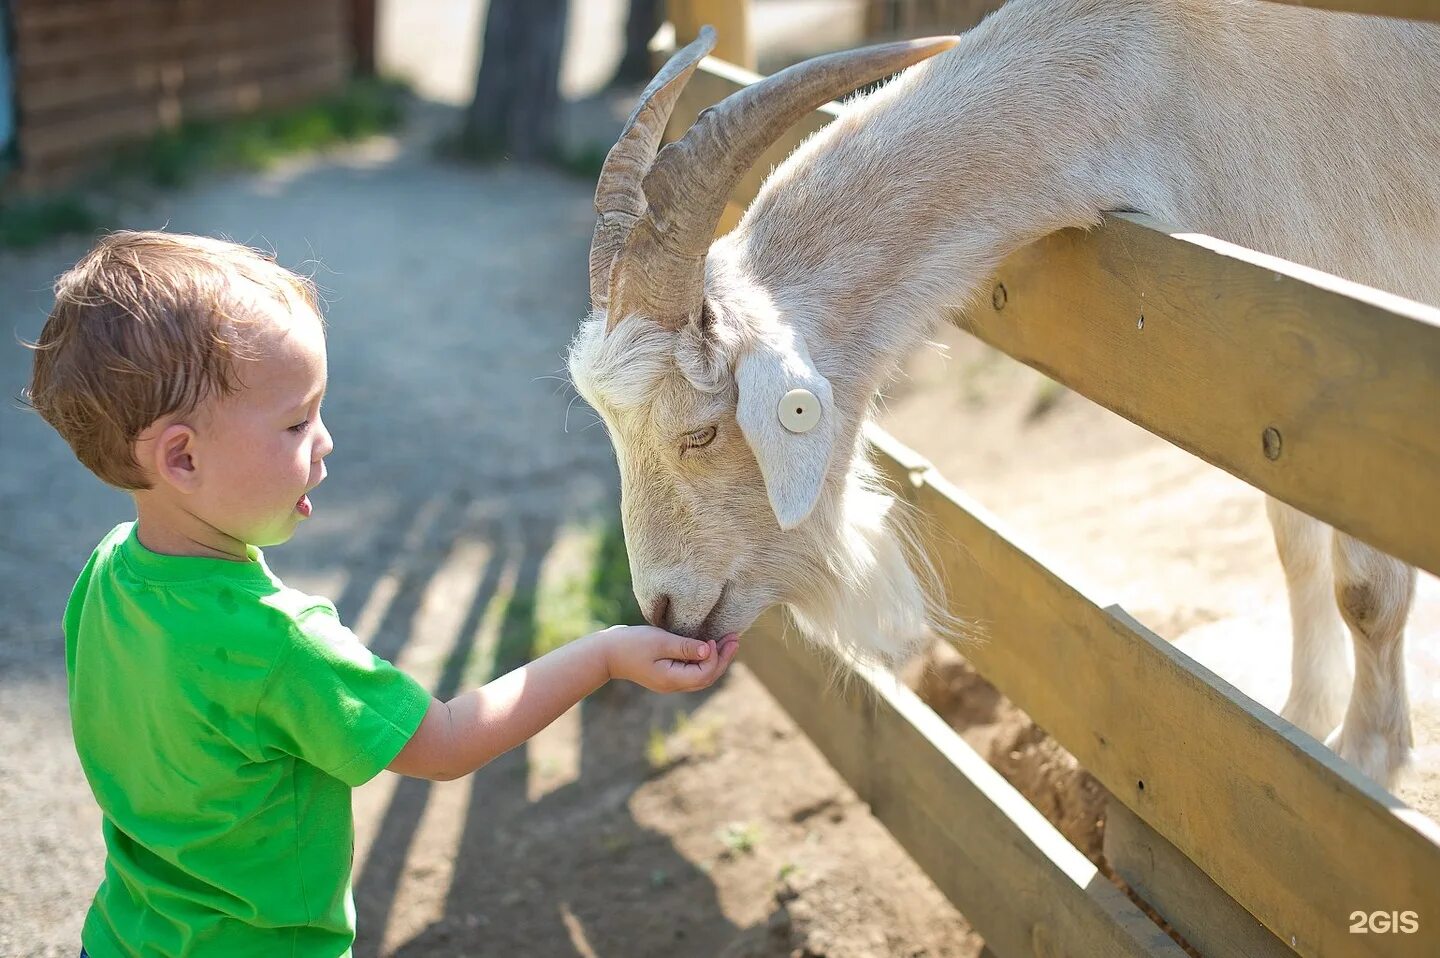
1312	136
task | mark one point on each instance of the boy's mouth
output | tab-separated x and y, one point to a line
303	506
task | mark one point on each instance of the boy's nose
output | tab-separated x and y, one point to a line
325	445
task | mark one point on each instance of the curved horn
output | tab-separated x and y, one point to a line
661	270
619	199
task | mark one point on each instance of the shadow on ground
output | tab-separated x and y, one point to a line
452	293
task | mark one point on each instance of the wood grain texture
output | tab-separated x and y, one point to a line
95	85
77	133
1015	878
92	73
1284	827
1171	884
1209	345
730	18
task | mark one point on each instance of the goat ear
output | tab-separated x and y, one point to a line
793	462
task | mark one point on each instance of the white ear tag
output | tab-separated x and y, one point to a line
799	410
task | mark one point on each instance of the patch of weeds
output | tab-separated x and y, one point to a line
657	749
176	157
703	737
688	739
30	221
786	870
255	141
739	838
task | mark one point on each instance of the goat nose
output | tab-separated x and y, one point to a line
659	614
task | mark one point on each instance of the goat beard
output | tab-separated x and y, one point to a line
868	591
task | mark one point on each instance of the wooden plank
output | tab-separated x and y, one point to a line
47	20
731	20
1298	837
59	139
157	33
1015	878
1234	344
1170	883
1408	9
1236	357
105	84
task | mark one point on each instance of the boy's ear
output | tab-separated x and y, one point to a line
792	441
172	456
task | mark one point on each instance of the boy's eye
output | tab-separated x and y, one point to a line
698	438
300	426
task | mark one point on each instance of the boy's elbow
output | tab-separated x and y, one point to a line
447	774
431	771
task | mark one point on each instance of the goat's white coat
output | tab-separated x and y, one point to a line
1312	136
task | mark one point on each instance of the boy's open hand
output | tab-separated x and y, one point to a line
664	662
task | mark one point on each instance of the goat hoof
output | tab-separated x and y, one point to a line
1384	759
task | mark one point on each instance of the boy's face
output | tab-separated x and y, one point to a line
262	448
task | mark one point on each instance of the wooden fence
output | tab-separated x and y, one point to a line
93	73
1247	835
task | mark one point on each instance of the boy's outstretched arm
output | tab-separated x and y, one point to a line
457	737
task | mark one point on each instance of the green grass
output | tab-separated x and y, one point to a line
255	142
688	739
30	221
177	157
593	593
739	838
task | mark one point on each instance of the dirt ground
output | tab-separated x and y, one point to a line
638	825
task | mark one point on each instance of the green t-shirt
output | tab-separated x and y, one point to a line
222	720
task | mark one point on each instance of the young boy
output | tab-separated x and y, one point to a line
221	718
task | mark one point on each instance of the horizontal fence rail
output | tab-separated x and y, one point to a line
1315	389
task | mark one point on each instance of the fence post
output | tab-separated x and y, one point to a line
731	20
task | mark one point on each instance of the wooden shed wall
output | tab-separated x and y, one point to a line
90	74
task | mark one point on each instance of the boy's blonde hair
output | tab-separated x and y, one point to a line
148	325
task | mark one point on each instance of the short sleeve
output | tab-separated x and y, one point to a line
334	704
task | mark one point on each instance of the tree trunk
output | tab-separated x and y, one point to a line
644	19
516	107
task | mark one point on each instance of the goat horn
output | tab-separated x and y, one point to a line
619	199
661	270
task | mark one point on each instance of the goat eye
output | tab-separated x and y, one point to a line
698	438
